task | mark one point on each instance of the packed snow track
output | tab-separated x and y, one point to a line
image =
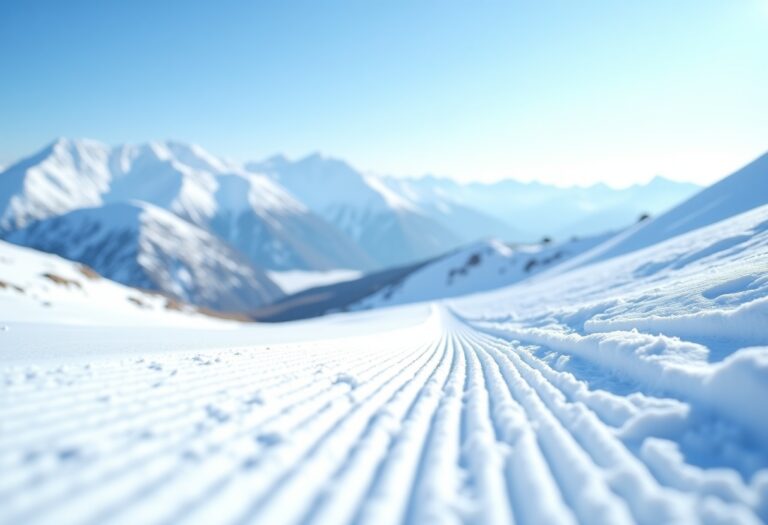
441	422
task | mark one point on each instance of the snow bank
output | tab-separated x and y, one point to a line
746	324
663	364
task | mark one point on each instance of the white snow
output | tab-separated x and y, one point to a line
292	281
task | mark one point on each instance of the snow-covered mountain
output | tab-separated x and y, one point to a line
63	176
469	221
141	245
248	210
393	225
316	213
427	216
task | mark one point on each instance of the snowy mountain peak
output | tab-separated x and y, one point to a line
324	184
197	157
64	175
67	145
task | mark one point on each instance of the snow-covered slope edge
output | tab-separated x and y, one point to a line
710	285
37	287
681	325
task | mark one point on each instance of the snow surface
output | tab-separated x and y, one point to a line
293	281
627	391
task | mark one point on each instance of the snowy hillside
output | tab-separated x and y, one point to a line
477	268
144	246
628	391
37	287
493	265
249	211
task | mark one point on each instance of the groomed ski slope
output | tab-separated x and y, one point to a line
631	391
437	423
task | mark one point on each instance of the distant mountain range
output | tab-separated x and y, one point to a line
538	210
174	218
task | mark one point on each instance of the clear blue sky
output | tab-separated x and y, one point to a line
557	90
